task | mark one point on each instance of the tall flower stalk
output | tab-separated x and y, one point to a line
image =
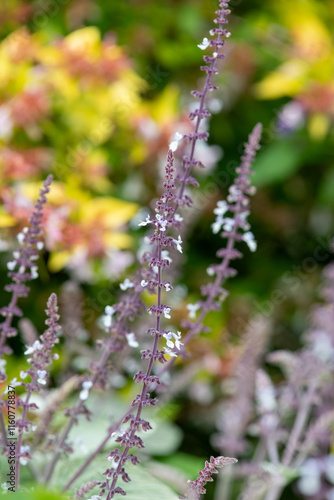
131	305
23	267
166	216
235	229
40	357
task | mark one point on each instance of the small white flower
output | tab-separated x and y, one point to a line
250	240
210	271
173	146
23	374
145	222
40	245
37	346
234	194
170	352
41	376
178	244
11	265
143	283
165	255
192	308
178	136
25	449
16	255
131	339
178	218
228	224
22	269
109	310
175	142
217	225
87	384
162	225
178	344
166	312
84	393
173	338
107	321
20	238
14	382
168	287
228	34
177	337
126	284
204	45
222	208
34	272
168	337
23	460
244	215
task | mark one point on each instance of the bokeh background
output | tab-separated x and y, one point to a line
93	91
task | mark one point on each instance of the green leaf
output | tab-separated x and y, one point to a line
88	434
143	486
275	163
38	494
164	438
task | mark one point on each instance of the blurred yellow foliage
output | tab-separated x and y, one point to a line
308	56
71	95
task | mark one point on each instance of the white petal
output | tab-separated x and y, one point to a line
204	45
173	146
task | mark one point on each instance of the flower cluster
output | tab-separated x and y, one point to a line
23	267
40	357
238	199
204	476
234	231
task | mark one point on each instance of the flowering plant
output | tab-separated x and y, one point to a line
43	442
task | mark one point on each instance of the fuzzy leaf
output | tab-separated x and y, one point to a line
143	486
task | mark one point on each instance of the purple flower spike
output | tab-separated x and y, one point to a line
204	476
40	356
23	267
158	260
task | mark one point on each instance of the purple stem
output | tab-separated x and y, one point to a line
19	440
76	410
